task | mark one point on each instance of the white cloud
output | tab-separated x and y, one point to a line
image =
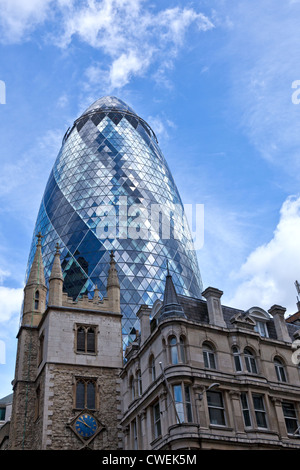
10	303
10	300
262	51
161	126
19	17
124	67
131	35
27	176
268	275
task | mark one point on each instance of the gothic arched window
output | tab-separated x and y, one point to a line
85	393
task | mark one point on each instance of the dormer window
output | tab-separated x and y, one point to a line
261	318
261	328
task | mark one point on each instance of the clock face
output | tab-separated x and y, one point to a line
86	425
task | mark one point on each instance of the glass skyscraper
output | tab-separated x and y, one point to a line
111	189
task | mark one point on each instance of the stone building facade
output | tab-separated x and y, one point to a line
204	376
198	375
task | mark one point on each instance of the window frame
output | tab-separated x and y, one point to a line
213	407
86	329
184	406
246	410
2	413
139	383
237	358
156	420
280	370
291	418
261	328
209	356
152	368
250	361
260	412
86	381
173	347
132	387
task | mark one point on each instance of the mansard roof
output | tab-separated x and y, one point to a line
196	310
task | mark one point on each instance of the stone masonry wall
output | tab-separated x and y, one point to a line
61	410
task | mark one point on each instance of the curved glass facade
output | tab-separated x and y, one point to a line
111	189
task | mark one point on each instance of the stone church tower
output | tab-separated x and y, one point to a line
69	357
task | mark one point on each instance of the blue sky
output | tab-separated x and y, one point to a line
214	80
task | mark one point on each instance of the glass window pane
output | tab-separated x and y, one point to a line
157	424
188	404
80	391
205	357
216	408
237	363
91	340
91	395
290	416
245	408
182	350
216	416
261	419
80	339
179	402
260	413
214	399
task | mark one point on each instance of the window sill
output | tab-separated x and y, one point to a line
83	353
222	427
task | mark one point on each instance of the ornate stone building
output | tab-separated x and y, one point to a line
198	375
204	376
69	358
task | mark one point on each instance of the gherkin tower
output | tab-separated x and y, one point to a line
111	189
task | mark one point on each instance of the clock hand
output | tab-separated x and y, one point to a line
83	422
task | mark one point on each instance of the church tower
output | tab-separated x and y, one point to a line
66	386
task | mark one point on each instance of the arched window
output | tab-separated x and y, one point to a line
250	361
36	299
173	349
139	383
86	339
209	356
237	358
85	394
280	370
132	387
182	349
152	368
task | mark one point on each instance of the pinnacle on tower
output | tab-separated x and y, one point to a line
113	279
113	285
36	275
35	290
56	281
96	294
56	272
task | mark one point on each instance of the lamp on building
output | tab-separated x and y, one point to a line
211	387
